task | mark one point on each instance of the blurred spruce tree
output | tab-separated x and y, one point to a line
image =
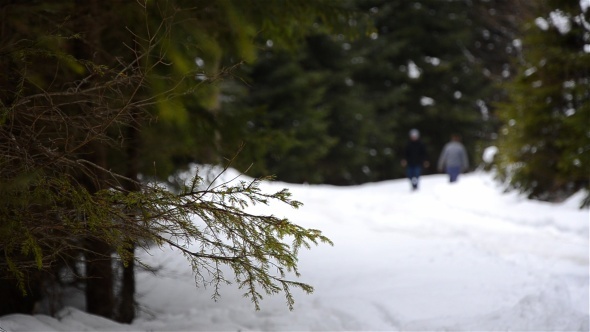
285	130
416	69
307	122
545	142
421	74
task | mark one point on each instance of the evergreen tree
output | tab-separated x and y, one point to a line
305	123
82	81
545	145
415	69
286	125
294	112
418	73
352	121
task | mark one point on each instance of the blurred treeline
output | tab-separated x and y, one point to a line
338	110
333	102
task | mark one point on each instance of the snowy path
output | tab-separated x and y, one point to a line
448	257
451	257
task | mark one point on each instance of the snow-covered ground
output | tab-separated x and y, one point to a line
462	256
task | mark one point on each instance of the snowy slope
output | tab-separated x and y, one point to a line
461	256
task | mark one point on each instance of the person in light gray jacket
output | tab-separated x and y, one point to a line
453	158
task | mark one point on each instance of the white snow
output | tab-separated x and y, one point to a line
413	70
561	21
542	23
432	60
530	71
489	154
426	101
452	257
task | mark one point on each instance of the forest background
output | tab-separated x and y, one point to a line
99	100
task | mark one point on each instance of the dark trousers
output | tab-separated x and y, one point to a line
413	173
453	172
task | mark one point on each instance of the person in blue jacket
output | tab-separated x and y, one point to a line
453	158
415	157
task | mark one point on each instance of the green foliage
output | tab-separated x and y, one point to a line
196	71
38	216
42	221
87	87
217	230
545	143
420	70
348	122
285	133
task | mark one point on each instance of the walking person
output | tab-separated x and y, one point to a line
415	157
453	158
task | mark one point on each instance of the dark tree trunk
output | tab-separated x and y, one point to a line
126	311
100	299
99	279
12	299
